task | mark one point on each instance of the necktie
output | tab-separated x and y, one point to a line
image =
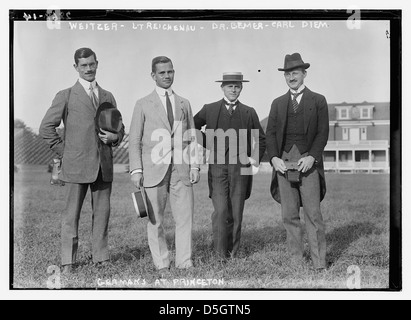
93	97
169	111
295	102
231	108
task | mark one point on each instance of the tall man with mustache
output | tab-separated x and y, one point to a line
86	157
297	131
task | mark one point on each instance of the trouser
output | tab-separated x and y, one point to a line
182	207
228	197
307	194
100	203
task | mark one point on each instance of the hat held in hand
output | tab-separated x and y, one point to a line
141	206
108	118
293	61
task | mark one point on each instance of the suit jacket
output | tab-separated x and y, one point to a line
209	115
82	152
150	135
316	128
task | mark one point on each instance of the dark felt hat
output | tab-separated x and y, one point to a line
293	61
108	118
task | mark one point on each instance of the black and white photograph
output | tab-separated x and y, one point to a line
199	151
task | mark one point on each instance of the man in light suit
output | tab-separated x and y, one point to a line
231	130
162	129
86	157
297	131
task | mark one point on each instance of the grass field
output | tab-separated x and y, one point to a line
355	210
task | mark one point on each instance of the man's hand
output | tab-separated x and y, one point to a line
194	176
107	137
305	164
279	165
137	179
253	162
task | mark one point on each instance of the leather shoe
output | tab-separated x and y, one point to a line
102	264
187	269
319	269
164	272
67	269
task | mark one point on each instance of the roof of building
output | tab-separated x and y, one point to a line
382	111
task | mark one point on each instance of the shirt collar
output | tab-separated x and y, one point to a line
301	88
229	102
162	91
86	84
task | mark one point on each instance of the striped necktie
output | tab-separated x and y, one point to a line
93	96
294	101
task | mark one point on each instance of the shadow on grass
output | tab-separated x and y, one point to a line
340	239
253	240
129	254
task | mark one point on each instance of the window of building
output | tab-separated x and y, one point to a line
367	112
343	114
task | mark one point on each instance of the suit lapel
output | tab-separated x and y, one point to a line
283	110
244	117
215	114
306	100
102	95
159	109
82	96
179	112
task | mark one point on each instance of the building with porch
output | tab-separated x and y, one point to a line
359	139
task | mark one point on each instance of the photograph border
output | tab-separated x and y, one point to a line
395	18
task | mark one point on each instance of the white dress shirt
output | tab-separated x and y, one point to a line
162	94
86	86
301	88
227	103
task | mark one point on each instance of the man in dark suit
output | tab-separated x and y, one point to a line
86	157
231	129
297	131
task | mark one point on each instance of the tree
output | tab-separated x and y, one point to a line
19	124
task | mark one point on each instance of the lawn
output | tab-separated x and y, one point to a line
355	210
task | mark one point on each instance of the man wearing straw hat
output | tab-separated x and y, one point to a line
297	132
231	128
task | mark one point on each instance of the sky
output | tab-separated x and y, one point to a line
347	65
